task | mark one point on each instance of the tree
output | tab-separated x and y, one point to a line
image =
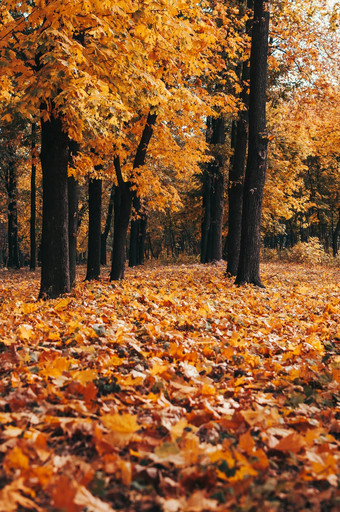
12	190
72	198
13	138
108	223
137	234
94	236
213	193
55	264
336	237
239	141
65	60
249	261
123	201
60	78
33	245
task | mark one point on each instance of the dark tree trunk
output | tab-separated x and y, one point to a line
108	224
217	206
335	238
94	242
73	220
133	243
33	246
213	195
55	270
137	235
123	202
206	222
237	169
143	221
249	262
73	198
122	211
13	246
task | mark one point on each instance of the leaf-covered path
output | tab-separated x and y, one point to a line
171	391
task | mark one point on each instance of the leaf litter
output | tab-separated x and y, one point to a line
173	390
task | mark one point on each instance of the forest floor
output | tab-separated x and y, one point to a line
171	391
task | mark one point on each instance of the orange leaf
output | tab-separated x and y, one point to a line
246	443
291	443
16	459
63	493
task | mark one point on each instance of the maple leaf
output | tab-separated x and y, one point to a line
121	426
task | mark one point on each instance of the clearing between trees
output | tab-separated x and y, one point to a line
173	390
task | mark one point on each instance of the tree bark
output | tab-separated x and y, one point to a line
108	224
137	235
217	205
122	211
206	222
237	170
213	195
335	238
143	221
94	237
249	262
33	246
55	269
73	198
123	202
13	246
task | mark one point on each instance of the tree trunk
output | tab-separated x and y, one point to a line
137	235
205	228
213	195
143	221
134	228
94	242
237	169
249	262
73	198
33	247
55	270
13	246
122	211
217	206
108	224
335	238
123	202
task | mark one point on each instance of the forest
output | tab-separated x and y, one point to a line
169	255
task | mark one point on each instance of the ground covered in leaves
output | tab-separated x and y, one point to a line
171	391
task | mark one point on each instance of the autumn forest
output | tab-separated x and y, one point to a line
169	255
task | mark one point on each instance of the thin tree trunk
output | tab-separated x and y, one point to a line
249	262
94	242
108	224
73	198
55	270
13	246
33	246
122	211
137	235
205	228
217	213
141	238
134	228
123	202
213	195
237	170
335	238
